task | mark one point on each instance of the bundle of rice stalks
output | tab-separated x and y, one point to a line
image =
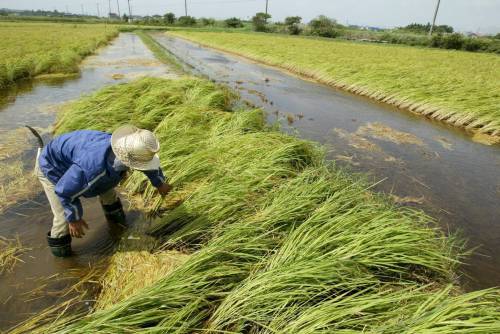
10	252
130	272
344	247
281	241
386	309
144	103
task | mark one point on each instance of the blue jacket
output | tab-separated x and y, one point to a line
82	163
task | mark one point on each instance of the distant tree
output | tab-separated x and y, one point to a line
497	36
292	24
425	28
259	21
475	44
233	22
204	21
125	17
444	29
437	41
186	21
324	27
454	41
169	18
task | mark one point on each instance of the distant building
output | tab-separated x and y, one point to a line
474	35
370	28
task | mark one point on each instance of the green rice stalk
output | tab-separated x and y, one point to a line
281	241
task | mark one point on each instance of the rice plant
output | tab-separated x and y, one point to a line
16	183
131	271
31	49
457	88
281	241
10	250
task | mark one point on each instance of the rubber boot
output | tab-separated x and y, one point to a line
114	213
60	247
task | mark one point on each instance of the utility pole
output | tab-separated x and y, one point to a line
435	16
267	5
118	7
98	11
109	9
186	7
83	11
129	12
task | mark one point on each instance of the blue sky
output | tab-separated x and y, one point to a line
465	15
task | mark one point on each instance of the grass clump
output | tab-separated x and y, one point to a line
10	251
31	49
280	240
131	271
16	183
457	88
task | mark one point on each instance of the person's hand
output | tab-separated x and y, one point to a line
164	189
77	228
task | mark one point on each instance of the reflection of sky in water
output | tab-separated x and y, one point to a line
454	179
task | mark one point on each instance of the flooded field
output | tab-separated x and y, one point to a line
418	163
39	280
421	164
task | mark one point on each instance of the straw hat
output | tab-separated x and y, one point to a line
136	148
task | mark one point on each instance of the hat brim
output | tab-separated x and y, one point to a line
154	164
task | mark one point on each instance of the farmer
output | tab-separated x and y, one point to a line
92	163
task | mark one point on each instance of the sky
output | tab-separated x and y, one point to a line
464	15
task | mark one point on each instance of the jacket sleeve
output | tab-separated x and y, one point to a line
70	186
156	177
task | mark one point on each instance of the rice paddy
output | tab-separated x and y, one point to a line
458	88
31	49
280	240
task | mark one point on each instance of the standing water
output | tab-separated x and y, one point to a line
36	283
422	164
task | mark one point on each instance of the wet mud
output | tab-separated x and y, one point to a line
421	163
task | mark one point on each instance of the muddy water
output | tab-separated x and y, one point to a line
422	164
37	283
